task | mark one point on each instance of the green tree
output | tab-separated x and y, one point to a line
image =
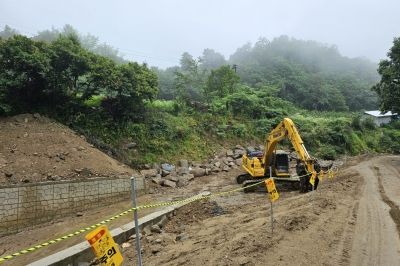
188	84
388	88
134	86
220	83
166	82
88	41
24	68
242	54
8	32
320	95
185	61
70	63
102	77
212	59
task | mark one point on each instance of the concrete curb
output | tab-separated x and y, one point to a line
83	252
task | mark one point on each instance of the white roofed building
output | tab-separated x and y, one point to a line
380	118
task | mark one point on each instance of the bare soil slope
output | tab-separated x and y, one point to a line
37	149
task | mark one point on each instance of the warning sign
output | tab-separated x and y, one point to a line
321	175
312	178
273	193
331	173
104	247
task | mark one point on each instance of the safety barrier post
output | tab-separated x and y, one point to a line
272	211
313	198
136	222
312	181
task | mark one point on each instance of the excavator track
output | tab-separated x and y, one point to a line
242	178
247	185
294	181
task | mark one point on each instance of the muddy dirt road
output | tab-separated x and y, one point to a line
355	221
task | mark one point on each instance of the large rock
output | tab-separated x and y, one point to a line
168	183
163	222
149	173
156	167
208	165
196	164
155	229
85	171
184	163
238	154
225	160
215	169
225	168
172	178
183	180
325	165
164	173
238	147
131	145
158	181
189	177
183	170
168	167
182	183
197	172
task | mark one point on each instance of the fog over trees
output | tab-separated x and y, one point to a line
306	73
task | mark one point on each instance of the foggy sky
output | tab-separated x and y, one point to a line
158	32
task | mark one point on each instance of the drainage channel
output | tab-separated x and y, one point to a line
82	252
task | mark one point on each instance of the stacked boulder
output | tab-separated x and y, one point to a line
170	176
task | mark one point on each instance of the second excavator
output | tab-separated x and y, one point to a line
275	163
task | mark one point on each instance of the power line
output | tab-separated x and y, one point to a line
135	53
153	57
145	53
17	25
21	30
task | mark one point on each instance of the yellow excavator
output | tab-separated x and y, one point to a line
274	163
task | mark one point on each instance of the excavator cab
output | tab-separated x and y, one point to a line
281	163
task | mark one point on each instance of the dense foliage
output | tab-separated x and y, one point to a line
388	88
57	77
309	74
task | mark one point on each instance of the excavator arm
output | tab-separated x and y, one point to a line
286	128
302	153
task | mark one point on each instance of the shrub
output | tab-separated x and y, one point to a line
327	152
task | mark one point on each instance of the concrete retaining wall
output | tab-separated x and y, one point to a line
26	205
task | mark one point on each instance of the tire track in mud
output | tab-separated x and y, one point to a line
394	210
376	238
346	235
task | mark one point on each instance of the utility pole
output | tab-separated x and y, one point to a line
234	67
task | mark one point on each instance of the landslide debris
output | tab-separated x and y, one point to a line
35	149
